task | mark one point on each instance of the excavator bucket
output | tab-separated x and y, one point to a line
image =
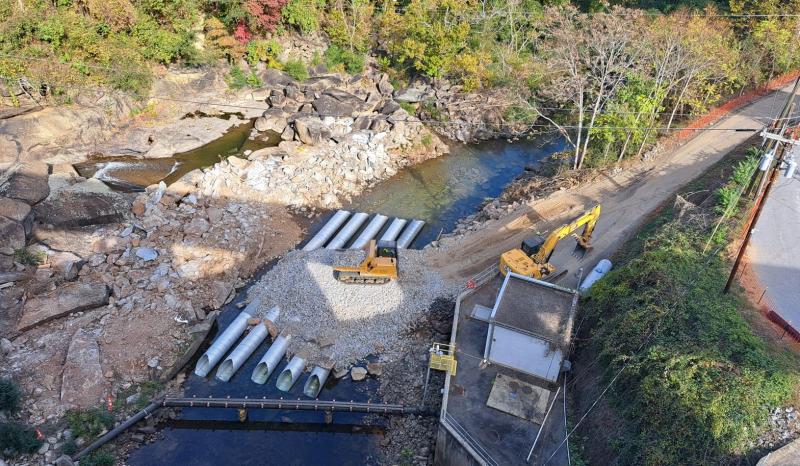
582	246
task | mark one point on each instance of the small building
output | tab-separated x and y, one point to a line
505	403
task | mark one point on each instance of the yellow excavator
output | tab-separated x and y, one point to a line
380	265
532	259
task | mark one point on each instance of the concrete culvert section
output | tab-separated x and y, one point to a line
348	322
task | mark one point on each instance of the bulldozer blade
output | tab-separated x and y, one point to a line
358	279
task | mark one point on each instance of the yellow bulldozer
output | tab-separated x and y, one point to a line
380	265
532	258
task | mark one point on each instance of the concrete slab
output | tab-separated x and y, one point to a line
513	396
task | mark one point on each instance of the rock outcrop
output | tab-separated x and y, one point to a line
61	302
83	385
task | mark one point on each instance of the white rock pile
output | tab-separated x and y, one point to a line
342	322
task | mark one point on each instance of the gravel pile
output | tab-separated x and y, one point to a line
347	322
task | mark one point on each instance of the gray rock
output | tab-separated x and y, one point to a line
28	183
60	302
133	398
18	211
320	83
196	227
384	86
83	384
287	134
306	109
78	208
380	125
64	460
276	98
6	346
146	254
67	264
358	373
12	234
390	107
311	130
411	95
272	120
329	106
375	368
292	92
361	123
275	78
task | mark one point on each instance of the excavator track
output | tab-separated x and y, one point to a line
354	278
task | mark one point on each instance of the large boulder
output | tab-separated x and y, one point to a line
12	234
327	105
82	384
319	83
74	208
275	78
62	301
27	183
273	120
311	130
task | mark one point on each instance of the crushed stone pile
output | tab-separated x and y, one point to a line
343	323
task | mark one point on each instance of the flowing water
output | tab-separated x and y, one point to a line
439	191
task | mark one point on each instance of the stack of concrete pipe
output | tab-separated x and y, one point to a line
343	226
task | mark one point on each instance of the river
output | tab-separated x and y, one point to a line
439	191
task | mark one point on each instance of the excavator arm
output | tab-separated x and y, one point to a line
587	221
537	264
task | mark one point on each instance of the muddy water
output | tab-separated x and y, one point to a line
439	191
126	173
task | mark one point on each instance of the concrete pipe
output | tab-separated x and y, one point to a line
597	273
224	342
372	229
291	373
348	230
327	231
271	359
316	381
411	232
394	229
239	355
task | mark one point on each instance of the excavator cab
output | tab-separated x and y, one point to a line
380	265
532	258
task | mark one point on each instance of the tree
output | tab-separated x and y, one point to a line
349	24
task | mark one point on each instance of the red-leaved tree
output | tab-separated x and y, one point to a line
240	33
265	14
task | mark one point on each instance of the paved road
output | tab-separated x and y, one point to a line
775	250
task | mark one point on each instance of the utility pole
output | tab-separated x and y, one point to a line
770	144
751	224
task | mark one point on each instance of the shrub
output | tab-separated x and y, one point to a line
17	439
264	50
237	79
303	14
28	257
408	107
70	447
9	396
89	423
296	69
698	385
345	60
98	458
728	196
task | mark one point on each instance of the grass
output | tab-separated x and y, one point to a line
146	390
89	423
27	257
98	458
698	384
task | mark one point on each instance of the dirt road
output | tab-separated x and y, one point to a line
627	198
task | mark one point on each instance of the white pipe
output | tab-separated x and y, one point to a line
291	373
372	229
411	232
597	273
271	359
394	229
327	231
316	381
347	231
273	314
239	355
224	342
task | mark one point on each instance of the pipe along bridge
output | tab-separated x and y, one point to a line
299	405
